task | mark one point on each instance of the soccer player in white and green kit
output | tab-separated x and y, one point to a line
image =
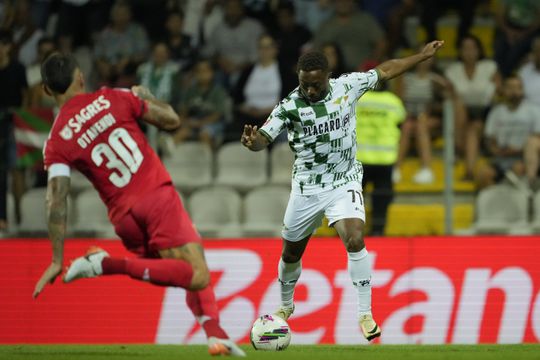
319	116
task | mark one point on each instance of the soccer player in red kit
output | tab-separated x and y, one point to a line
97	133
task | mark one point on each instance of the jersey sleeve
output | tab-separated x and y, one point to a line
137	106
52	154
276	123
360	82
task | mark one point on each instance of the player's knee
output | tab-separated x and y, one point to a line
200	279
355	242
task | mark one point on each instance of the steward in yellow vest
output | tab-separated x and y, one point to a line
378	116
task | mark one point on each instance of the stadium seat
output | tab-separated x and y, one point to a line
501	209
190	165
281	162
264	209
216	211
33	212
240	168
91	217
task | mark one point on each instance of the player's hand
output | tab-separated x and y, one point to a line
142	92
249	135
48	277
431	48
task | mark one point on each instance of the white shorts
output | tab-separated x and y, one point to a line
304	213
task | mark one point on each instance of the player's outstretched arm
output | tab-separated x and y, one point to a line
252	139
395	67
159	114
57	192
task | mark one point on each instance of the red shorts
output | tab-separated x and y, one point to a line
157	221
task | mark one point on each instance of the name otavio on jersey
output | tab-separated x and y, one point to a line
327	126
74	125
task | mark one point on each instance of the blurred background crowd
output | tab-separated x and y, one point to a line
226	63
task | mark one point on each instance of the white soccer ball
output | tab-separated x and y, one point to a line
270	332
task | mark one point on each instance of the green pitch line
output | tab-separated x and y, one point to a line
322	352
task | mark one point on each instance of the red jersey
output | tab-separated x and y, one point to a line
97	133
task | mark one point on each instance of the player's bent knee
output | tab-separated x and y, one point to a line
355	242
200	279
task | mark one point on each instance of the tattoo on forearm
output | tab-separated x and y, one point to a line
57	192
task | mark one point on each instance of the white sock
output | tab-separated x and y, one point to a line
360	271
288	275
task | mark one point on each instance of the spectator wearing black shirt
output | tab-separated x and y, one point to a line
290	36
180	44
12	95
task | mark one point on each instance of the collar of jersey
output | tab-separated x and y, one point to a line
323	100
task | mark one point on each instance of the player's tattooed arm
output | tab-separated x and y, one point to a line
159	113
395	67
253	139
57	192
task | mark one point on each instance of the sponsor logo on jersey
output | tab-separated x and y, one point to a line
66	133
86	113
327	126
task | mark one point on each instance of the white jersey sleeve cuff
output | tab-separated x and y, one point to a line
59	170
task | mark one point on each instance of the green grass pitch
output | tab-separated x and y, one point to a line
295	352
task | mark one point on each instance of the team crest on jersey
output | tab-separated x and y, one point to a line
66	133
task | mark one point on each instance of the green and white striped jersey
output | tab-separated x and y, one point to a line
323	134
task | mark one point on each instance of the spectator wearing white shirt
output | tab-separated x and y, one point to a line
509	128
234	42
260	87
530	74
475	80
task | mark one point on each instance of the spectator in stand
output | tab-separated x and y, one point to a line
158	75
530	74
476	80
518	22
181	48
431	11
336	63
25	34
203	107
312	13
422	91
37	96
234	42
259	88
290	36
394	23
120	48
202	18
45	46
508	128
357	33
13	94
80	21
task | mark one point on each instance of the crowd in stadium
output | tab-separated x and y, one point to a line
223	64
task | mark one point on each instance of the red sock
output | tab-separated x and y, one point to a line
202	303
164	272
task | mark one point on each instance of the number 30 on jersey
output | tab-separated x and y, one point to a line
122	155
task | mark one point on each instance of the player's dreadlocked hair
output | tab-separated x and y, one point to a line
312	60
57	72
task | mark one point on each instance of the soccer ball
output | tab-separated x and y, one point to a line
270	333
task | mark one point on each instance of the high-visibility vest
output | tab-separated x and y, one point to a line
378	114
